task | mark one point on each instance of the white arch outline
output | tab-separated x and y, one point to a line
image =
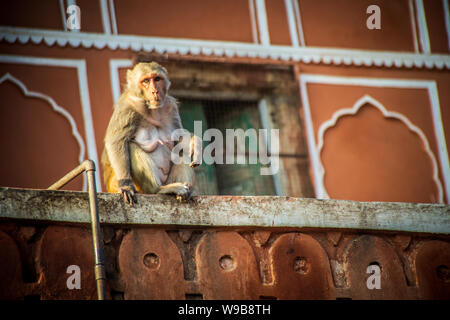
56	108
387	114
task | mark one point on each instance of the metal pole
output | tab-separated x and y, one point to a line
100	276
69	177
99	269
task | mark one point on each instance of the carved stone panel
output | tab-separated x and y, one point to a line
373	251
11	283
61	247
432	264
227	267
301	268
151	266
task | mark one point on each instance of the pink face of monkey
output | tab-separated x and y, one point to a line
154	88
149	81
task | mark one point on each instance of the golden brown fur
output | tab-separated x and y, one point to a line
136	157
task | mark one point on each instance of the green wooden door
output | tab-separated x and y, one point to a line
205	176
227	179
242	179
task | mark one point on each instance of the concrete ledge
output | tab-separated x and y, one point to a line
226	211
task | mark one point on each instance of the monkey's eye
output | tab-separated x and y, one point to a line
146	81
158	78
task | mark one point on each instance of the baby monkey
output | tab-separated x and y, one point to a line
138	140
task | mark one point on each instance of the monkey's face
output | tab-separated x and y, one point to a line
154	88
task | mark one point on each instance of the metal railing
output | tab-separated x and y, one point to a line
99	269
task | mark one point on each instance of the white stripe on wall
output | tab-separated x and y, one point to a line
114	66
113	17
292	22
262	22
299	23
412	15
423	29
251	6
447	20
105	16
63	14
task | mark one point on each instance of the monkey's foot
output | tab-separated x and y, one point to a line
126	188
182	190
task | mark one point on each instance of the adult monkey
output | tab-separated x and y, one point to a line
138	140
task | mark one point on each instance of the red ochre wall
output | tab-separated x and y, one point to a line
365	156
325	23
154	263
371	149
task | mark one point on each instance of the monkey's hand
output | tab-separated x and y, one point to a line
195	151
127	190
168	143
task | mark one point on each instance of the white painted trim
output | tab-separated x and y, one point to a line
105	17
63	14
423	29
387	114
87	116
114	66
225	48
113	17
447	20
80	66
252	11
412	16
57	109
262	22
373	82
440	135
265	124
311	138
299	23
290	14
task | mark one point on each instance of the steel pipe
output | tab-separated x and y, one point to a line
99	269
